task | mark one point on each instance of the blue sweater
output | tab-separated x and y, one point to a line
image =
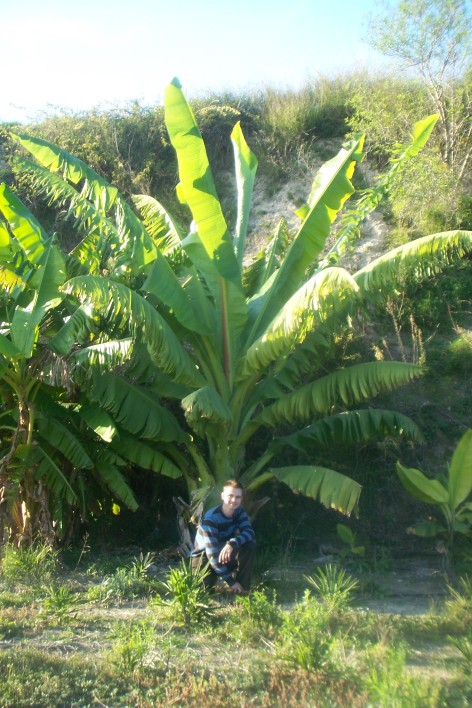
215	530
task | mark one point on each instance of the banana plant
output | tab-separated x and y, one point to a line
48	462
221	355
450	494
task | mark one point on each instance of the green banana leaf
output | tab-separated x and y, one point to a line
196	182
62	438
331	188
424	256
139	317
98	420
159	224
430	491
134	407
116	483
206	411
26	229
347	386
245	168
164	284
351	427
44	282
138	247
332	489
324	293
460	471
146	457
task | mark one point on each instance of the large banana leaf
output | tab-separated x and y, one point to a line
146	457
371	198
331	188
165	230
163	283
206	411
351	427
425	256
331	488
27	230
245	168
196	182
63	438
116	483
44	283
134	407
460	471
139	249
75	330
347	386
324	292
430	491
135	314
98	420
46	468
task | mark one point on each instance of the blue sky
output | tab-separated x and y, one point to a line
78	55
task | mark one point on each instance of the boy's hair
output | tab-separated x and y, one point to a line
233	483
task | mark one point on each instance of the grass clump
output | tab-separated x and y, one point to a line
34	565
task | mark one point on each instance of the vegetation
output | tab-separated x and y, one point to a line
310	650
154	313
449	494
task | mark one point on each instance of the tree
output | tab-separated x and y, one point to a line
54	456
195	353
432	39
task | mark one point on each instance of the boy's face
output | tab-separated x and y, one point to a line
232	498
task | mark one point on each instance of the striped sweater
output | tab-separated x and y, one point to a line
215	530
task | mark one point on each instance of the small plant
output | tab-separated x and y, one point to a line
348	537
305	635
134	647
258	615
449	495
389	684
333	586
187	595
28	566
61	602
464	644
459	605
125	583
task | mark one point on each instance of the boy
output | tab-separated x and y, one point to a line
227	540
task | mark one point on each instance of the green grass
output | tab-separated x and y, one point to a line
59	645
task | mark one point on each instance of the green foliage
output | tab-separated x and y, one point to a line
450	495
390	683
306	641
139	326
61	602
333	586
185	593
257	616
125	583
35	565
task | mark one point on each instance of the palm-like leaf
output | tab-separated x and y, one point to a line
345	386
135	408
324	293
424	257
330	190
139	317
351	427
331	488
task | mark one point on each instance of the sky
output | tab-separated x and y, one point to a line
75	55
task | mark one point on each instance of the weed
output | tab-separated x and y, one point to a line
125	583
389	683
334	586
257	615
28	566
135	647
61	602
187	596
